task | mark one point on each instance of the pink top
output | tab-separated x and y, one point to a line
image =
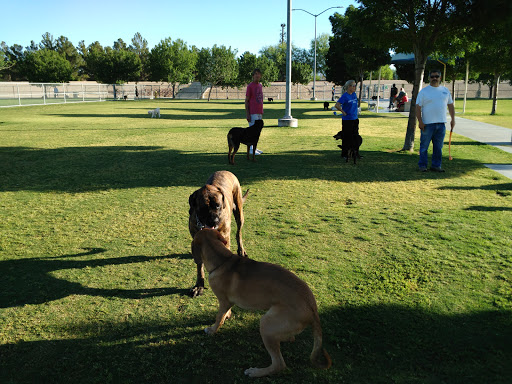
255	95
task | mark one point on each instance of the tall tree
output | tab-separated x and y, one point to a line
47	66
322	47
172	61
349	56
248	62
139	46
300	58
112	66
67	50
415	26
216	67
493	55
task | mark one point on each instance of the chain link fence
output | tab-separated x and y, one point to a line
23	93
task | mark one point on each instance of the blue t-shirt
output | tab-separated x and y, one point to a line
349	105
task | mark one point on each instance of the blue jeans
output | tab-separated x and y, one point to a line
433	132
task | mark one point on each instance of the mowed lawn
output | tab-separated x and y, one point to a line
412	271
480	110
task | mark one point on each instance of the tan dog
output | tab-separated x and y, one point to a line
253	285
211	206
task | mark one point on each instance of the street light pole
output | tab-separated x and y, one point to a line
314	69
288	120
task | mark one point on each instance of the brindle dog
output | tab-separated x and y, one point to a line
211	207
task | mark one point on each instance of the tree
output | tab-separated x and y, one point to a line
67	50
140	47
246	65
386	73
46	65
216	67
4	60
277	54
322	48
14	56
301	73
112	66
348	52
173	62
415	26
493	55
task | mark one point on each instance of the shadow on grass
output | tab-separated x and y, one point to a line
368	344
29	281
82	169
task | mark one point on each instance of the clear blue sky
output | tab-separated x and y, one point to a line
243	25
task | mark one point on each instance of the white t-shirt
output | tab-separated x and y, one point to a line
433	102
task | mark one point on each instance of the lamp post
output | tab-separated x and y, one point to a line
288	120
314	72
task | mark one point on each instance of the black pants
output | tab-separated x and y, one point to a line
350	128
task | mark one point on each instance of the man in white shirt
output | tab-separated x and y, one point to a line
431	104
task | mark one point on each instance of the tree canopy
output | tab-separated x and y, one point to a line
172	61
217	67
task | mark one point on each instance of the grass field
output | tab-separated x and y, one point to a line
480	110
412	271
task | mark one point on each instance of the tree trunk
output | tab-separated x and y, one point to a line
361	76
495	94
420	60
453	90
210	93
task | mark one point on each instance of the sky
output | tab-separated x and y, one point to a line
239	24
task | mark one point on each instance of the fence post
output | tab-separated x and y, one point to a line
44	94
19	96
83	93
64	89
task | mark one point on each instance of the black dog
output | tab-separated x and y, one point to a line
326	106
248	136
350	145
270	99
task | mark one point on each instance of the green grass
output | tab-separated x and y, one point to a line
412	272
480	110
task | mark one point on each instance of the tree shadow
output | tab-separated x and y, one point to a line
368	344
82	169
30	280
394	344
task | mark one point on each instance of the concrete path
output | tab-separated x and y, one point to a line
494	135
498	137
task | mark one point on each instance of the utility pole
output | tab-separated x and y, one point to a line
282	33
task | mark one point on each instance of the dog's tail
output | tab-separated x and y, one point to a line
319	357
244	197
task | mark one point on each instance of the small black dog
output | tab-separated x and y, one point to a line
351	144
270	99
326	106
248	136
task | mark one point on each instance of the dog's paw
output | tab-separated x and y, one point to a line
254	372
209	330
196	291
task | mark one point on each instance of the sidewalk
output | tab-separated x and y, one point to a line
498	137
494	135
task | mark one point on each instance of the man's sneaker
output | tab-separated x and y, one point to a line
422	169
436	169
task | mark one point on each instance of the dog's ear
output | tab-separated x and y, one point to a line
192	201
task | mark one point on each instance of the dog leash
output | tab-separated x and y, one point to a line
450	146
